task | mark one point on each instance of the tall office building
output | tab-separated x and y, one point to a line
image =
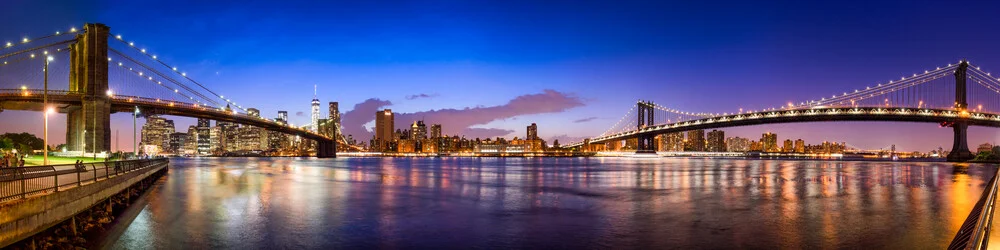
335	118
436	131
532	132
203	136
282	117
155	134
673	142
695	140
383	128
177	142
418	131
788	146
315	112
769	142
716	141
800	146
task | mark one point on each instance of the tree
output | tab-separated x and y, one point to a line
6	144
24	138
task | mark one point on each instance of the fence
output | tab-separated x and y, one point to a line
975	231
21	182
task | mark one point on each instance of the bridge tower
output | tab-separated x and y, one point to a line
88	127
960	147
646	143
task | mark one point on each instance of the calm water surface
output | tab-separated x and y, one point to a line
580	203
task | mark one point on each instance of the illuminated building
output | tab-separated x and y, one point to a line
716	141
737	144
769	142
695	140
315	112
383	129
436	131
800	146
282	117
532	132
204	139
673	142
788	146
155	133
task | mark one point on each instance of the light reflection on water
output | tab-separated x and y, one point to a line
554	203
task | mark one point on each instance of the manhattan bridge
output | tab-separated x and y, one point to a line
942	95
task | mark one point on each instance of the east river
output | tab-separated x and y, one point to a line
543	203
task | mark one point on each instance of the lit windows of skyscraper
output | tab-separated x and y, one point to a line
716	141
769	142
282	117
436	131
383	129
532	132
252	112
315	111
695	140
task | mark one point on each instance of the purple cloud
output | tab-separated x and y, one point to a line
421	95
458	120
353	121
585	119
300	113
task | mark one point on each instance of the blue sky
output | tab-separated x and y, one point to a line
714	56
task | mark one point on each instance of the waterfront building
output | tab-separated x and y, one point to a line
737	144
673	142
716	141
334	117
769	142
985	147
800	146
532	132
155	134
436	131
204	139
383	129
191	144
177	142
695	140
788	146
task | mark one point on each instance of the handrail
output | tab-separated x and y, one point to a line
20	182
975	231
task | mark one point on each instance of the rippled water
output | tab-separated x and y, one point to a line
253	203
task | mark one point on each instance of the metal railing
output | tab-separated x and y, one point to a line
21	182
975	231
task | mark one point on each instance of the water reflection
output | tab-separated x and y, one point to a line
554	202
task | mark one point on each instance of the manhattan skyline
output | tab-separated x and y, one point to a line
489	70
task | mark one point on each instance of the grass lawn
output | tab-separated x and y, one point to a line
36	160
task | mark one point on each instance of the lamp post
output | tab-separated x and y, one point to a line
135	145
45	113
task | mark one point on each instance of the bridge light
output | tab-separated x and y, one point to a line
24	40
184	74
143	50
175	90
32	55
73	29
131	44
110	93
119	37
57	33
109	59
154	56
9	44
24	87
140	73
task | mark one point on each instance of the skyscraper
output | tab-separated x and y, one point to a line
282	117
800	146
418	131
315	112
532	132
436	131
673	142
383	128
716	141
335	118
695	140
204	139
788	146
769	142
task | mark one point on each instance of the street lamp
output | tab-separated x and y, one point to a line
45	113
135	146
